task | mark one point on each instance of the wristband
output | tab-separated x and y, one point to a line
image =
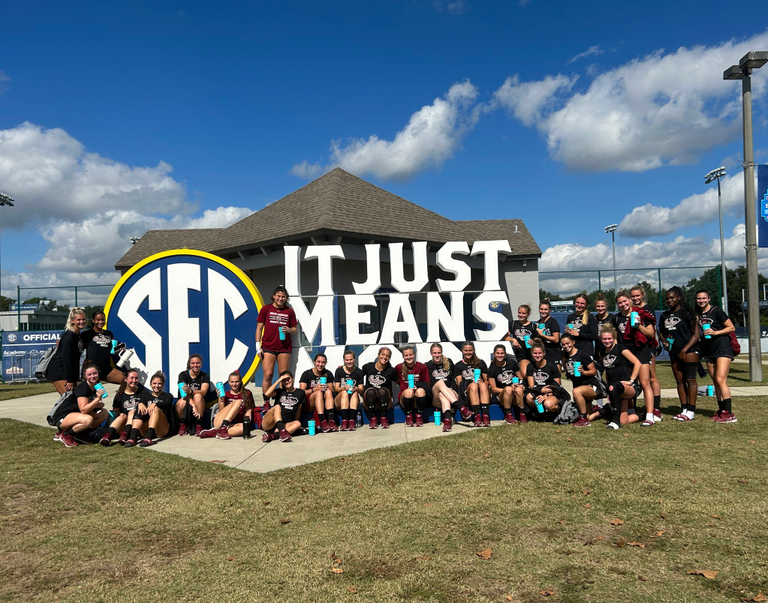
258	347
631	381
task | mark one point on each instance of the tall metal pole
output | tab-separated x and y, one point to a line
750	214
724	305
615	286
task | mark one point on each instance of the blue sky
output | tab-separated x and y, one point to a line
119	117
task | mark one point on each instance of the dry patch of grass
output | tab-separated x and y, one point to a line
8	391
514	511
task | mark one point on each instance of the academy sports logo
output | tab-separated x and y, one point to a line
180	302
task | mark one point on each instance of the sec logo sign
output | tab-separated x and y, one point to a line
181	302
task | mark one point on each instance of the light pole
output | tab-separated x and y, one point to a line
742	71
612	229
4	200
716	175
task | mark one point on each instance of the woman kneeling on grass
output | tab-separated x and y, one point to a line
82	410
235	408
444	395
621	368
126	403
545	393
194	384
415	392
580	368
283	419
505	380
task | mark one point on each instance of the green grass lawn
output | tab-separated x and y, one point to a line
21	390
737	377
590	515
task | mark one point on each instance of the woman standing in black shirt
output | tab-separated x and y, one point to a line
582	326
97	342
64	368
637	294
580	368
521	333
377	394
716	349
622	368
548	332
680	335
444	395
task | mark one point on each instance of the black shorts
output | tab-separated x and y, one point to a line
644	355
276	353
463	390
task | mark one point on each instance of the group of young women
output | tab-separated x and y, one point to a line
610	359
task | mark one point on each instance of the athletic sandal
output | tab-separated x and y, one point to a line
612	425
648	423
207	433
681	417
657	418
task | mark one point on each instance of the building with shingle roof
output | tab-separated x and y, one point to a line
339	208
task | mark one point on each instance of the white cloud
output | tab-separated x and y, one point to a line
582	263
528	100
96	243
53	177
589	52
661	108
306	170
652	220
430	138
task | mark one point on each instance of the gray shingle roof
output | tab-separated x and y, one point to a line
337	202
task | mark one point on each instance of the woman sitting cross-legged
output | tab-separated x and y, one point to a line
282	420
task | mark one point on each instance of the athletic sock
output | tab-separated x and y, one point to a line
447	414
70	432
727	405
111	432
649	416
475	408
657	402
127	433
486	410
321	417
279	425
135	434
225	424
150	434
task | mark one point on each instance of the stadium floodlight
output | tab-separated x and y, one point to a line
748	63
4	200
612	229
710	177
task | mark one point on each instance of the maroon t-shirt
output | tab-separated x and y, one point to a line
418	369
272	318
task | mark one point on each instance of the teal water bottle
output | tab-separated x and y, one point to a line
436	415
477	372
350	386
577	369
634	318
707	330
100	390
311	426
411	381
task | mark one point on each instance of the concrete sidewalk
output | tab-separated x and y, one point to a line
254	455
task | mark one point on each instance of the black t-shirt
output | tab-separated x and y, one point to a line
677	326
519	331
503	374
587	332
292	401
466	372
341	377
126	402
624	329
82	390
438	373
378	379
551	348
97	348
544	375
609	319
716	345
195	384
617	367
66	359
164	401
585	359
311	380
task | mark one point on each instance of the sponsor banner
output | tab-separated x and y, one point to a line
22	351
